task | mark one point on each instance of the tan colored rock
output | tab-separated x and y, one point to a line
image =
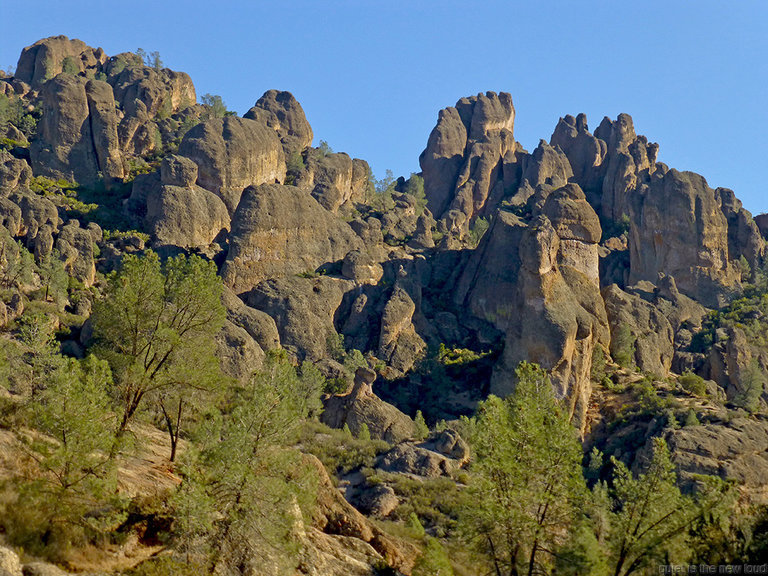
303	310
239	355
334	179
361	267
282	112
14	173
399	344
464	162
279	231
680	230
362	406
652	332
232	154
551	312
10	565
45	59
75	245
258	324
77	135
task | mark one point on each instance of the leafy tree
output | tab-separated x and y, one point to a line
752	387
239	493
623	346
214	106
422	430
151	59
41	349
415	187
527	475
324	148
156	326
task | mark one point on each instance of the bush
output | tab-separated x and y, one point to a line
623	346
693	383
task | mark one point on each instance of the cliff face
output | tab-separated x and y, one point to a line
594	250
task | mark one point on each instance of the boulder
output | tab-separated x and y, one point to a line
14	173
361	267
239	355
258	324
362	406
334	179
180	213
232	154
282	112
303	310
379	501
407	458
45	59
279	231
10	565
75	245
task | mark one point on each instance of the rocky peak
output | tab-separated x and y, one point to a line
45	59
282	112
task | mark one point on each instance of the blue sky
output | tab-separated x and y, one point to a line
372	75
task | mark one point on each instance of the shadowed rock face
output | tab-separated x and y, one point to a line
232	154
679	229
464	162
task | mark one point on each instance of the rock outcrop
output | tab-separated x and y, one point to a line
542	291
180	213
77	136
362	406
232	154
279	231
466	163
678	228
45	59
334	179
282	112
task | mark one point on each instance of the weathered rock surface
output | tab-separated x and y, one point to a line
279	231
734	451
180	213
679	229
14	173
232	154
334	179
543	293
77	135
335	516
649	328
464	163
239	355
303	310
10	565
283	113
362	406
45	59
75	245
258	324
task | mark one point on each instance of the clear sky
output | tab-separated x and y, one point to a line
372	75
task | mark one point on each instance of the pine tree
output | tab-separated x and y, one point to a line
527	475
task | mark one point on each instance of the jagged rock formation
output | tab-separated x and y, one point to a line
45	59
362	406
465	164
539	285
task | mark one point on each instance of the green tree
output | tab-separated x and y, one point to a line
75	474
527	479
649	518
69	66
214	106
422	430
41	351
623	346
156	326
16	263
237	501
53	277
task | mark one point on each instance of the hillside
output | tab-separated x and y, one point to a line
226	351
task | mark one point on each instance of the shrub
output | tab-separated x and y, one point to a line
693	383
623	346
